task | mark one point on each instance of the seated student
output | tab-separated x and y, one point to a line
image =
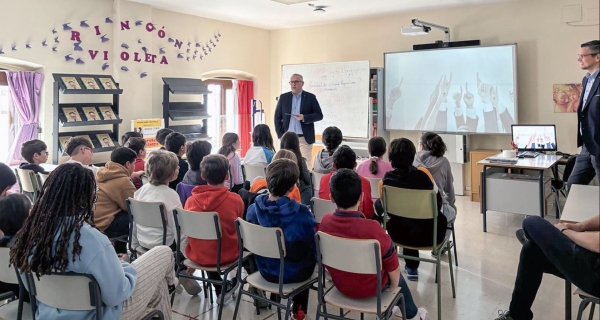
260	184
431	156
231	143
332	138
195	152
297	224
35	152
348	222
175	142
14	209
161	136
114	188
375	167
262	149
215	197
81	151
345	158
66	203
7	179
567	250
138	145
290	141
412	232
128	135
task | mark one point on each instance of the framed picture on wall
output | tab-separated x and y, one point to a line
108	84
71	114
91	114
105	140
71	83
90	83
107	113
64	140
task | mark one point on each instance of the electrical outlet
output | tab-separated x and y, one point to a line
572	13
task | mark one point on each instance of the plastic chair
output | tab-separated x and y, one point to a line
41	178
203	226
320	208
560	186
420	204
71	291
252	172
13	309
28	182
269	243
147	214
315	179
374	182
586	299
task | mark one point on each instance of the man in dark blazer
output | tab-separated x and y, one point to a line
297	111
587	164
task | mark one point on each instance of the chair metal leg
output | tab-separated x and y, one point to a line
593	308
439	289
237	301
288	309
341	312
451	269
454	245
582	307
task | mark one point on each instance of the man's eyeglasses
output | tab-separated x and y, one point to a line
296	82
580	56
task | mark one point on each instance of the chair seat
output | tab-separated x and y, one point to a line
258	282
10	310
368	305
191	264
582	293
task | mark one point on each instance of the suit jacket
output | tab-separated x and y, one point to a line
588	117
309	107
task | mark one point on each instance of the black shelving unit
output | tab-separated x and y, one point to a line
185	111
60	119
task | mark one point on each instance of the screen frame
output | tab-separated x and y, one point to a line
516	89
535	125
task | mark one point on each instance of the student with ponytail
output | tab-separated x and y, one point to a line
431	156
232	143
375	167
332	138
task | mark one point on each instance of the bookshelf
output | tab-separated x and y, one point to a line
186	111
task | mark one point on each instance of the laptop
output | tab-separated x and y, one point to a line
531	139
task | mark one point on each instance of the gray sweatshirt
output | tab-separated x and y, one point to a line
441	172
323	162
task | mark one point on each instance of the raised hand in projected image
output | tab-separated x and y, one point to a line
483	89
432	102
500	108
437	118
468	97
457	96
395	93
445	88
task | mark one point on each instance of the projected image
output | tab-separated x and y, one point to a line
470	90
537	137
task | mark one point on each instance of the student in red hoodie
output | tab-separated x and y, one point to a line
345	158
215	197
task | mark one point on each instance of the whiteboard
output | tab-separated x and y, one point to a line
342	89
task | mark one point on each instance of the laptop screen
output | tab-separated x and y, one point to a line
540	137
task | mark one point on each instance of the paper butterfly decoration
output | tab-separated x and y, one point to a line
84	24
104	38
14	48
179	56
56	40
1	51
44	44
66	26
124	45
143	74
145	49
161	50
138	23
54	31
171	40
68	57
77	46
124	68
28	46
79	61
105	66
108	20
198	45
54	49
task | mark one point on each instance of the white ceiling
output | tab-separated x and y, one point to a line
269	14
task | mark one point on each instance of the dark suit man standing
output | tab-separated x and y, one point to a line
297	111
587	164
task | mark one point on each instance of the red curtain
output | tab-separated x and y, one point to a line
245	96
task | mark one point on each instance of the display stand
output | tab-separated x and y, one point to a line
184	111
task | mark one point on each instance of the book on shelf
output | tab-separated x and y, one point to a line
107	113
91	113
105	140
71	114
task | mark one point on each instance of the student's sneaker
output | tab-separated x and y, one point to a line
412	274
521	236
229	290
191	286
504	315
421	313
261	304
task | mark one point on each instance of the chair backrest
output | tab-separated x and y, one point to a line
27	180
198	225
148	214
42	177
361	256
321	207
374	182
7	274
260	240
254	171
69	291
316	181
410	203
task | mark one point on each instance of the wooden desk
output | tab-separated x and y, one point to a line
582	204
540	164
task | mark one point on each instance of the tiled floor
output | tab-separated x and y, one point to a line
484	279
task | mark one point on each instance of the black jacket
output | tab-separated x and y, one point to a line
309	107
588	117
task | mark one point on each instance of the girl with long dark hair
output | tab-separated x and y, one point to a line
262	150
375	167
231	143
290	141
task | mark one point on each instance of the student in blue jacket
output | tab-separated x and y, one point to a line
62	219
298	226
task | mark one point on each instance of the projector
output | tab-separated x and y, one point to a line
415	31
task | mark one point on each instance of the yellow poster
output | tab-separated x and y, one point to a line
148	128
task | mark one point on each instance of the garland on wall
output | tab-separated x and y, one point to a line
137	52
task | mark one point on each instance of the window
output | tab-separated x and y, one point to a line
214	110
220	107
5	123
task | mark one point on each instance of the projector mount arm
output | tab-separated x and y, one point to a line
427	27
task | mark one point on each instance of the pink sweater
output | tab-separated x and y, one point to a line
363	169
236	169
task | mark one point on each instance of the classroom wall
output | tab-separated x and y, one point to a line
547	51
242	49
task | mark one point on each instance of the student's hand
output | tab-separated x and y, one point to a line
574	226
483	90
137	174
561	226
457	96
468	98
299	117
123	257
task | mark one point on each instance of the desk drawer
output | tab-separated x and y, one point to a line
515	193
